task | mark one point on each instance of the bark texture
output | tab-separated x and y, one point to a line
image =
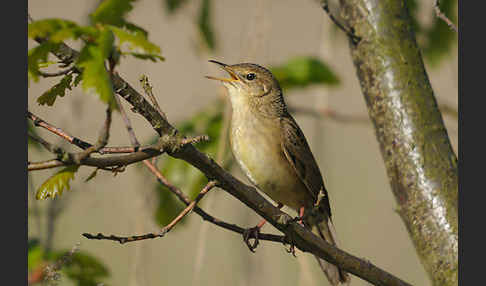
420	162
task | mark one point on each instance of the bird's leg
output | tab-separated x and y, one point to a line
301	215
253	232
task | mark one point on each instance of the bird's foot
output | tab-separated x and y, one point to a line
251	233
287	241
300	217
291	249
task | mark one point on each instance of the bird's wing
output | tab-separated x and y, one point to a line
299	155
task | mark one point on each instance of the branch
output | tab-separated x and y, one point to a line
348	31
299	236
444	18
59	73
83	144
58	131
128	125
164	230
205	216
148	91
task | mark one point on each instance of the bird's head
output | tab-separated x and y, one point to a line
251	84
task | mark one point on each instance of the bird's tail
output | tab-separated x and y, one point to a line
335	275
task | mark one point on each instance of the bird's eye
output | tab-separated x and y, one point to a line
250	76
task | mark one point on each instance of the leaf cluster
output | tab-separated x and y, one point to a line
107	37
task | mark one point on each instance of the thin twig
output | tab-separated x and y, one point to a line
51	270
48	146
59	73
348	31
100	143
49	164
205	216
164	230
58	131
128	125
148	91
79	142
195	140
444	18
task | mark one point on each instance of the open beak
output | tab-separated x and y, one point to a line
227	68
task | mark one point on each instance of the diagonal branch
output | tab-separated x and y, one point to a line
299	236
58	131
444	18
83	144
205	216
164	230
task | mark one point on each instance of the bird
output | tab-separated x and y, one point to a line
273	153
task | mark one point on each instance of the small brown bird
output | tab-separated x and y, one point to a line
273	152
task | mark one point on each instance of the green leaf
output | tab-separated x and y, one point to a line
304	71
49	97
56	184
84	269
34	254
38	55
151	57
136	41
173	5
78	79
183	175
57	30
134	28
204	25
92	61
92	175
111	12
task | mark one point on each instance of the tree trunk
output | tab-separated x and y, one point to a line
420	162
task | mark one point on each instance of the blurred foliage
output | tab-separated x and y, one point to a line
174	5
437	39
83	269
204	20
107	21
111	12
189	179
301	72
56	184
205	25
35	254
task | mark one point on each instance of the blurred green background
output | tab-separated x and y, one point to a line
311	59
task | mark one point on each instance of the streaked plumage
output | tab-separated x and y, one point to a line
272	150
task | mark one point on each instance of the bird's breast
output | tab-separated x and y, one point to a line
256	146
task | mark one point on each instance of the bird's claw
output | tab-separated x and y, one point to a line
291	248
250	233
